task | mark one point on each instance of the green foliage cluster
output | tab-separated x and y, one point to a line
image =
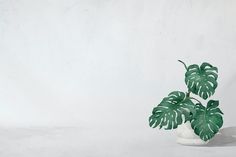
179	107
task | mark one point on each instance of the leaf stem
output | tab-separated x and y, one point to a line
183	64
188	93
195	99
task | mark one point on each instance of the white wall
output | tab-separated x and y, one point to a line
108	62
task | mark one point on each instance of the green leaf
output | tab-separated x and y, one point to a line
172	111
207	120
201	80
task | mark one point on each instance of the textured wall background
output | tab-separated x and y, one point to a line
108	62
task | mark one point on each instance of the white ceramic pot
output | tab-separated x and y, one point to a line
186	135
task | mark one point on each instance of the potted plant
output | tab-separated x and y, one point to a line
196	123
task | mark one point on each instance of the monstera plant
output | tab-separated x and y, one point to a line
180	107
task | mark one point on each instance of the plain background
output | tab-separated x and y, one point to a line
107	63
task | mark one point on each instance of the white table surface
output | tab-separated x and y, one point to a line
102	142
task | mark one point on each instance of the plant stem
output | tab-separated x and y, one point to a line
188	94
183	64
195	99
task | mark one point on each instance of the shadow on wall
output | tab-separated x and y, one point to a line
225	137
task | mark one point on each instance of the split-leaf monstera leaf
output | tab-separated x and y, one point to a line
169	112
207	120
201	80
